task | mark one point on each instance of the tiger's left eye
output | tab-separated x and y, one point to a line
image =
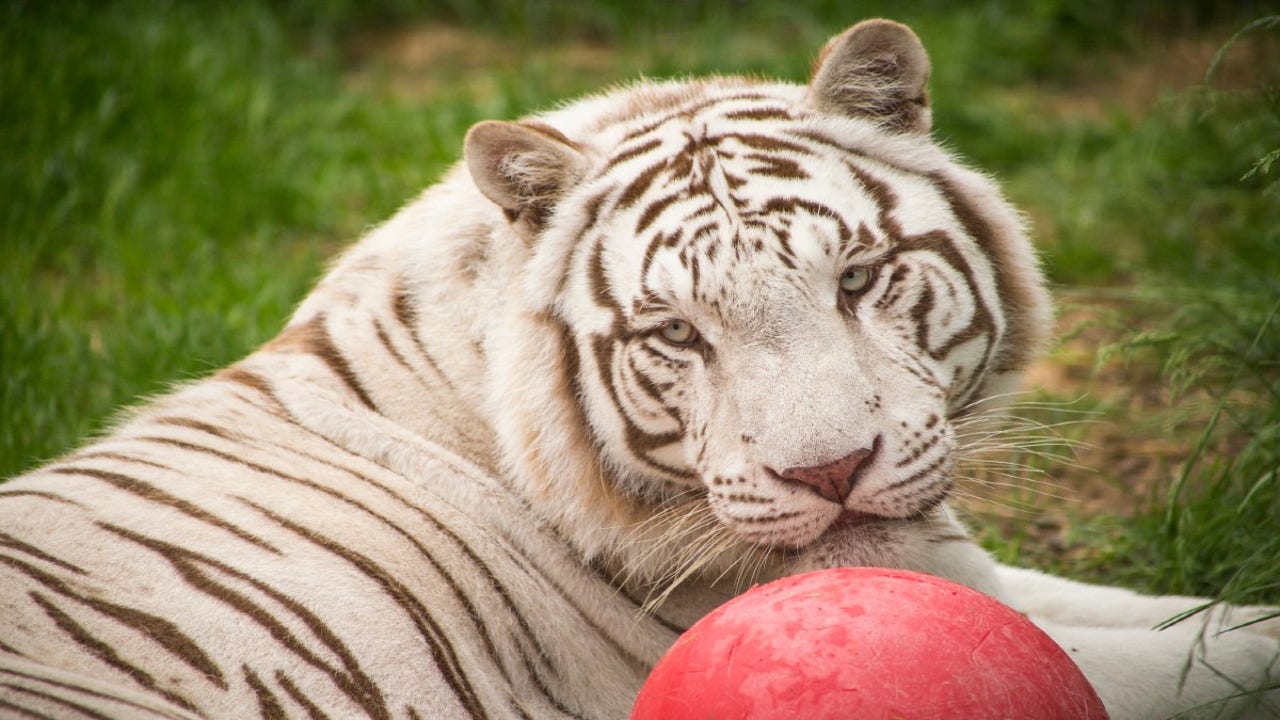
679	333
856	279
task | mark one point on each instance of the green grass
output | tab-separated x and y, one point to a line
174	178
176	174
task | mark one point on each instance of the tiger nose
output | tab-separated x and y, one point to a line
834	481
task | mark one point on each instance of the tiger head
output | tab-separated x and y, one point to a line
756	303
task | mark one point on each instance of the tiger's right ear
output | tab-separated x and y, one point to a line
878	70
524	167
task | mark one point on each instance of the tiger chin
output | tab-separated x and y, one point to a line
626	359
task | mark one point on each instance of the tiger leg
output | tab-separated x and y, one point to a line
1142	673
1075	603
1209	664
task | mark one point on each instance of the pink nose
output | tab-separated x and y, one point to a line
834	481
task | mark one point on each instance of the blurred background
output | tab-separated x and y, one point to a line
174	175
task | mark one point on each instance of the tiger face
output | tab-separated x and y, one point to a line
769	322
775	300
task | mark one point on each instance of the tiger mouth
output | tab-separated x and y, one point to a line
854	518
854	522
854	527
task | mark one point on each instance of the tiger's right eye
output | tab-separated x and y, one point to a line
856	279
678	333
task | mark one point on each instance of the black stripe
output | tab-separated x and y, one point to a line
247	378
103	651
571	600
472	612
762	113
313	710
817	209
647	385
351	680
446	657
1014	353
815	136
94	453
690	108
653	210
385	338
914	477
194	425
157	629
402	307
46	698
478	562
268	706
785	168
87	691
660	241
7	493
390	348
7	540
639	441
156	495
320	344
631	152
462	598
501	591
25	712
768	143
943	245
598	280
640	184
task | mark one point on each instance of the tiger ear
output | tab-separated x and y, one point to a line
876	69
524	167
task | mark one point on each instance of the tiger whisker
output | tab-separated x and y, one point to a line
1014	473
1005	508
1036	493
717	542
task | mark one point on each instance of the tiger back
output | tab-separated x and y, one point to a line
630	357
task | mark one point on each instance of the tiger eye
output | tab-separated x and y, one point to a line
679	333
855	279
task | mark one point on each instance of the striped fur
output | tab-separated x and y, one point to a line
632	356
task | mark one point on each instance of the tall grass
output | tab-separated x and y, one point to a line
173	177
1218	346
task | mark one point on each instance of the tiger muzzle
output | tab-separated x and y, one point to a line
835	480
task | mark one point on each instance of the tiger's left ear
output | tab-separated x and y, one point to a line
524	167
878	70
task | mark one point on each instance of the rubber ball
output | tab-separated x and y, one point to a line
865	643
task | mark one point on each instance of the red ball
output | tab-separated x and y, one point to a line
865	643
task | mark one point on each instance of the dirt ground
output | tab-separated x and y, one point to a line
1115	455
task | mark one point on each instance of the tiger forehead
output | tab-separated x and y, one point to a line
705	210
757	260
692	150
745	205
740	164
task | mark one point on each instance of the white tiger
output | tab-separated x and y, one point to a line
637	353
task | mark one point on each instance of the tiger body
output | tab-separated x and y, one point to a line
632	356
346	543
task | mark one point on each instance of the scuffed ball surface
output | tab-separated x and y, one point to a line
865	643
